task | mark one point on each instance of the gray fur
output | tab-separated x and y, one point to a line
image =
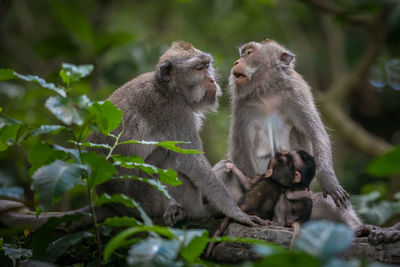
158	109
276	92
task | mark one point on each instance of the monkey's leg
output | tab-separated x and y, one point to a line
296	232
229	179
326	209
217	233
244	180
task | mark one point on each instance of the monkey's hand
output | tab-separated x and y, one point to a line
250	220
330	186
174	214
365	230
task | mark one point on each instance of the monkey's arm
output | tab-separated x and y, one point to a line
198	170
244	180
305	117
240	147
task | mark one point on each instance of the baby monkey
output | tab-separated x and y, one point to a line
281	195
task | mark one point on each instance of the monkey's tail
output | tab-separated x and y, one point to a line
296	232
217	233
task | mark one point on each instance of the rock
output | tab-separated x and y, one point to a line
236	252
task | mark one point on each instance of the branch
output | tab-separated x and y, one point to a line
329	7
350	130
340	90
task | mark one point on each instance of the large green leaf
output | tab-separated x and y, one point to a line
8	74
170	145
105	115
387	164
71	73
166	176
12	192
122	221
127	201
42	237
373	210
154	183
154	251
16	253
120	240
54	180
324	239
43	154
60	246
8	132
101	169
193	243
69	110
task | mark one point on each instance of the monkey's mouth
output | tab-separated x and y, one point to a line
239	75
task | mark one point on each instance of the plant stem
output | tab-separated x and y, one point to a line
96	228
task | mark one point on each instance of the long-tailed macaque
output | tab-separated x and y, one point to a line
168	104
272	110
281	195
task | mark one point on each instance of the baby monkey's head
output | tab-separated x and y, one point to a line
292	168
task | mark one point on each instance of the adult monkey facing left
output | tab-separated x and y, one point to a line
166	105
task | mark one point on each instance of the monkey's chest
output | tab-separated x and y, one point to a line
271	134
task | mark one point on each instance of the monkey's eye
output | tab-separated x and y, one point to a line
199	66
248	52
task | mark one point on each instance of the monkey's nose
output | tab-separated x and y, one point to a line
236	62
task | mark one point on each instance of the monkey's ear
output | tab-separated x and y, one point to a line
297	177
269	173
165	71
287	58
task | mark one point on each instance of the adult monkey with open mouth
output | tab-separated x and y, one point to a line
272	110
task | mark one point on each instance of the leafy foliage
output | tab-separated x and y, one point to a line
386	164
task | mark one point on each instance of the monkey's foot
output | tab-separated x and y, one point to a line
229	166
174	214
383	236
365	230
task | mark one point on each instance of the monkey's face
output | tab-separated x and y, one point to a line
190	74
259	63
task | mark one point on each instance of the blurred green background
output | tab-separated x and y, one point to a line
125	38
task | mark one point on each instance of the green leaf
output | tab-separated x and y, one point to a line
101	169
386	164
42	237
154	183
12	192
170	145
16	253
193	243
154	251
69	110
43	129
71	73
94	145
166	176
117	241
60	246
105	115
122	222
8	132
54	180
324	239
73	153
7	74
43	154
127	201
